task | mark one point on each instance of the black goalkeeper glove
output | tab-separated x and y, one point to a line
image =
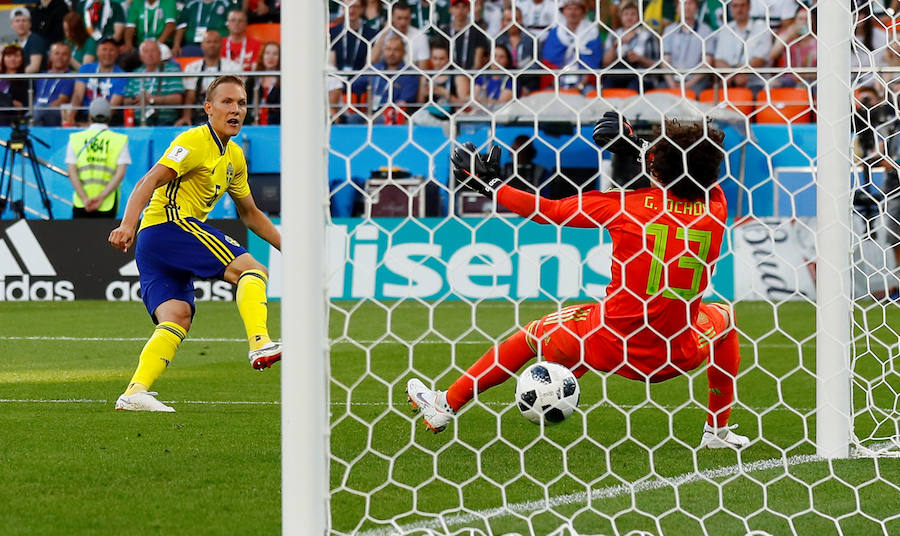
477	172
613	133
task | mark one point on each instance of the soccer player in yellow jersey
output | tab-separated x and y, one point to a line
174	244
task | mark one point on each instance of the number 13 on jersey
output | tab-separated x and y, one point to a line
687	261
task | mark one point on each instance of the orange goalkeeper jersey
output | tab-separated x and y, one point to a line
663	253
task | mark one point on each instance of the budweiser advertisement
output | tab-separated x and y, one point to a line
775	259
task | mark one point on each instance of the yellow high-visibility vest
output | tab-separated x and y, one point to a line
98	153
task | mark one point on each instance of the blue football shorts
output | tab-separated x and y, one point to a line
170	255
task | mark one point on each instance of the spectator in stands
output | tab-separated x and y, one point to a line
488	14
521	47
374	15
632	46
47	17
351	39
776	14
13	93
261	11
350	44
238	46
103	18
796	46
493	90
519	43
51	93
82	46
88	89
574	43
151	95
743	43
195	87
430	14
264	95
198	17
441	90
415	40
389	92
150	19
33	46
684	50
470	43
538	15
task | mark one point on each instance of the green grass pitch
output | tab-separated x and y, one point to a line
69	464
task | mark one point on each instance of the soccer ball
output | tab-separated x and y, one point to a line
547	392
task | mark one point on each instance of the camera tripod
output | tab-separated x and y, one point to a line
20	145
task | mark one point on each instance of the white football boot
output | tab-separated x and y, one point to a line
436	412
723	438
142	401
265	357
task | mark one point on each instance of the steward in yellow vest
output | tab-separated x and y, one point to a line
97	159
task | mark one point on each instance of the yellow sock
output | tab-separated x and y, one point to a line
253	306
156	355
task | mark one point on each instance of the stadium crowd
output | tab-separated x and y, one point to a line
390	60
94	37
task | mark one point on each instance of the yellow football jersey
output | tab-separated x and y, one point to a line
205	171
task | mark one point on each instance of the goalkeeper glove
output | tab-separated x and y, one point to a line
477	172
613	133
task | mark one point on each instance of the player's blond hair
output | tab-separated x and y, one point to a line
224	79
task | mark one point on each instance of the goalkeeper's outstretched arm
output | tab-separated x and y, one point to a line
575	211
481	173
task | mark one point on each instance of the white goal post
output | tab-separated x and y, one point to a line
304	398
833	274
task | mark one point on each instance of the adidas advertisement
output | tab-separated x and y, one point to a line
65	260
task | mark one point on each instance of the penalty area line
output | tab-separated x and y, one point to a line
342	403
528	507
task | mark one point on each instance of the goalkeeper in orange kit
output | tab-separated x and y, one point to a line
652	324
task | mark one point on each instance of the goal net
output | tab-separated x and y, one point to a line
424	276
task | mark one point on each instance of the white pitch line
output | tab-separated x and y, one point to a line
370	404
601	493
101	401
332	342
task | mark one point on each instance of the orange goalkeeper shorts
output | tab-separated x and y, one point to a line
573	339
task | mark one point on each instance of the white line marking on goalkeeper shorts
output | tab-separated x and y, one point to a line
602	493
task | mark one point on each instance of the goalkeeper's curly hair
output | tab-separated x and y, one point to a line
699	145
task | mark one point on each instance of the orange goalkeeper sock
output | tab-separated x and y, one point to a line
493	368
253	306
724	363
156	355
